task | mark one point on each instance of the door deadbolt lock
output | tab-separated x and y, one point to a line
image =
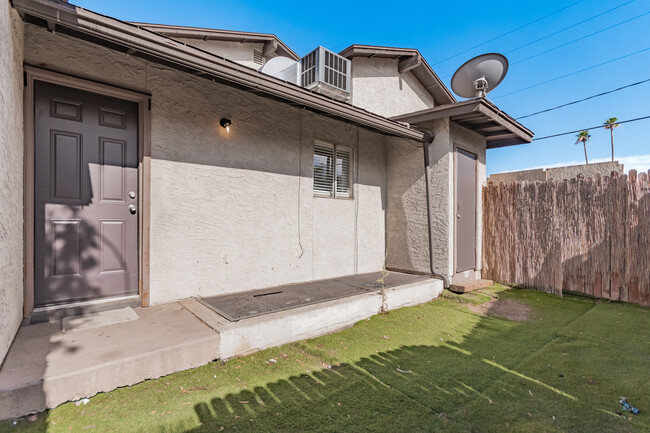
132	194
132	209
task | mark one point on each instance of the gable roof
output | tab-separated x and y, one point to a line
479	115
272	44
410	59
118	35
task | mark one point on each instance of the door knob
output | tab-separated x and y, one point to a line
132	209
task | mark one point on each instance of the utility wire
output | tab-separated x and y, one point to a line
583	99
508	32
575	40
580	38
571	27
572	73
586	129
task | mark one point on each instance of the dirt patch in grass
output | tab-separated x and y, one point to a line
506	308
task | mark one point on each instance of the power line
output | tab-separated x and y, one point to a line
584	99
571	27
567	28
586	129
508	32
581	38
573	73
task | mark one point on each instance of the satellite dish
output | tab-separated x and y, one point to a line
480	75
283	68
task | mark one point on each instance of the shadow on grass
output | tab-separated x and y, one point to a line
491	381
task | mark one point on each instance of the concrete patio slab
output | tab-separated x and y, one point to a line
273	329
97	320
46	367
254	303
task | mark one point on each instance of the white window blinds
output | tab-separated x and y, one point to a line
332	168
323	169
342	172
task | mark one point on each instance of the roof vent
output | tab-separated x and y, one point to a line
258	57
326	72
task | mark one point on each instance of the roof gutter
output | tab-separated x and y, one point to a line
136	39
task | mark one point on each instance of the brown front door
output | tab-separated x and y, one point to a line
465	210
85	193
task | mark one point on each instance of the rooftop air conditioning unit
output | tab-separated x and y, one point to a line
326	72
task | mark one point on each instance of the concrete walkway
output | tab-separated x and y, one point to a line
46	367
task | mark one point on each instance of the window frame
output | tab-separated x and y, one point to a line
335	148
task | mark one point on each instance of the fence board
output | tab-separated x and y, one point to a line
585	235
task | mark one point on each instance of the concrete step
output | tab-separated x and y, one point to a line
46	367
468	286
274	329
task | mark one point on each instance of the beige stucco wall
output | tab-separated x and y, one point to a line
11	175
559	173
587	170
536	174
407	206
475	143
406	215
377	86
234	212
240	52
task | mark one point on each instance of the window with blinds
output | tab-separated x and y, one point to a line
332	170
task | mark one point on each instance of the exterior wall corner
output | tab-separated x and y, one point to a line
11	175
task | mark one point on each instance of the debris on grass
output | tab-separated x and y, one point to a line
628	407
399	370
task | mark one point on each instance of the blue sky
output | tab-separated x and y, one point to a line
443	29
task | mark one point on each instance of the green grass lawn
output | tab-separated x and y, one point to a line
434	367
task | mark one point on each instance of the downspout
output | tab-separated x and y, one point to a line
426	141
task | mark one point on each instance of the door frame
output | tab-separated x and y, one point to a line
455	206
32	74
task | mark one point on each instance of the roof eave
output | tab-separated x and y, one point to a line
173	31
479	115
413	61
152	45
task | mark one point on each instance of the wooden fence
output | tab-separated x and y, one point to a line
583	235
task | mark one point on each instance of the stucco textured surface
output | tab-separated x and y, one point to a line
410	252
559	173
235	211
11	175
536	174
475	143
406	217
378	86
441	189
240	52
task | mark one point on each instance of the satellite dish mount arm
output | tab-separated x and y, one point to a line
481	87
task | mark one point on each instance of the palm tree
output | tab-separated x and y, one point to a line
610	124
583	137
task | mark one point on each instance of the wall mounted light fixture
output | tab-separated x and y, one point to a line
225	123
